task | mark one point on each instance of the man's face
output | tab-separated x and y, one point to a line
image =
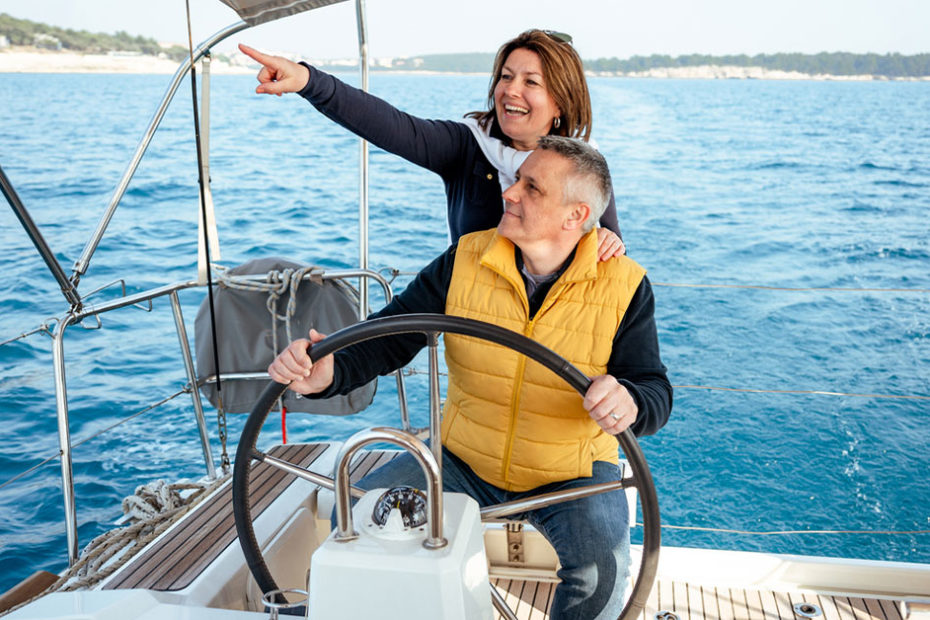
534	209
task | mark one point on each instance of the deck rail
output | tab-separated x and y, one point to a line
171	292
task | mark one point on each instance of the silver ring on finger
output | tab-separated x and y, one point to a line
615	417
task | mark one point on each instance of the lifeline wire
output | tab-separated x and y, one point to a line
665	526
828	289
93	436
695	528
394	273
44	328
410	371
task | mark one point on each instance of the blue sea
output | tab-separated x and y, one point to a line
798	214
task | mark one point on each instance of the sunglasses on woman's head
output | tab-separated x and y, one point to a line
561	37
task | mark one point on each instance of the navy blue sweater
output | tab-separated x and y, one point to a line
448	148
634	360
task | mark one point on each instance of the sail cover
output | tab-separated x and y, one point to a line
244	329
255	12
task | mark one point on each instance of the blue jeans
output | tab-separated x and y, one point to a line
591	536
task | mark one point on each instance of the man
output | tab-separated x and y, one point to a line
511	429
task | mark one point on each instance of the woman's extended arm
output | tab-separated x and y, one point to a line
433	144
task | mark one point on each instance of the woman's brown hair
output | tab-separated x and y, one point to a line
563	74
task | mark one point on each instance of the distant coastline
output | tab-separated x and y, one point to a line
728	72
32	47
28	59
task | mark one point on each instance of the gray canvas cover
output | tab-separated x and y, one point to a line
243	326
254	12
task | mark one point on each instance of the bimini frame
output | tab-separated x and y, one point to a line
253	12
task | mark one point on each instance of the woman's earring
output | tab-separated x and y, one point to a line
557	122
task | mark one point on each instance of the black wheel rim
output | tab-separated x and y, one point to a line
435	323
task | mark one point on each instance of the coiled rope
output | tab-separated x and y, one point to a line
151	510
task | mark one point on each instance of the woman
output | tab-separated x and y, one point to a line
537	88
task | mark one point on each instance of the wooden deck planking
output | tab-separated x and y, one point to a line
860	608
829	608
709	605
695	602
783	605
892	609
179	557
725	604
176	560
845	608
754	606
513	592
544	593
680	596
528	600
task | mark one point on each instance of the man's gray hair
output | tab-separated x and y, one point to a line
589	181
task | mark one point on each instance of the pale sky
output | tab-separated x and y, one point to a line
601	28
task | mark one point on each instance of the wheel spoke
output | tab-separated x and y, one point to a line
506	509
305	474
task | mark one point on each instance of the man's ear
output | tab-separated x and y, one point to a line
577	216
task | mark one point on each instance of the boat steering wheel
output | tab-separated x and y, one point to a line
435	324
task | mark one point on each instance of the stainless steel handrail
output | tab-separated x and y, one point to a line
306	474
192	378
64	438
80	267
362	158
171	291
418	450
161	291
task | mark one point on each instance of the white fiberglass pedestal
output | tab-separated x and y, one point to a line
387	573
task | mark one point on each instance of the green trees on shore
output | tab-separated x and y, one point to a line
25	32
824	63
836	63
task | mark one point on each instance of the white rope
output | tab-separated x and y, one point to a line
154	498
153	509
276	284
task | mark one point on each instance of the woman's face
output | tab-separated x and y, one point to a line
525	109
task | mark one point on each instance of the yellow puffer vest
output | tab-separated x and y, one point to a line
515	423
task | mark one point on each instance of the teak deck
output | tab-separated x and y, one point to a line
530	600
211	528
